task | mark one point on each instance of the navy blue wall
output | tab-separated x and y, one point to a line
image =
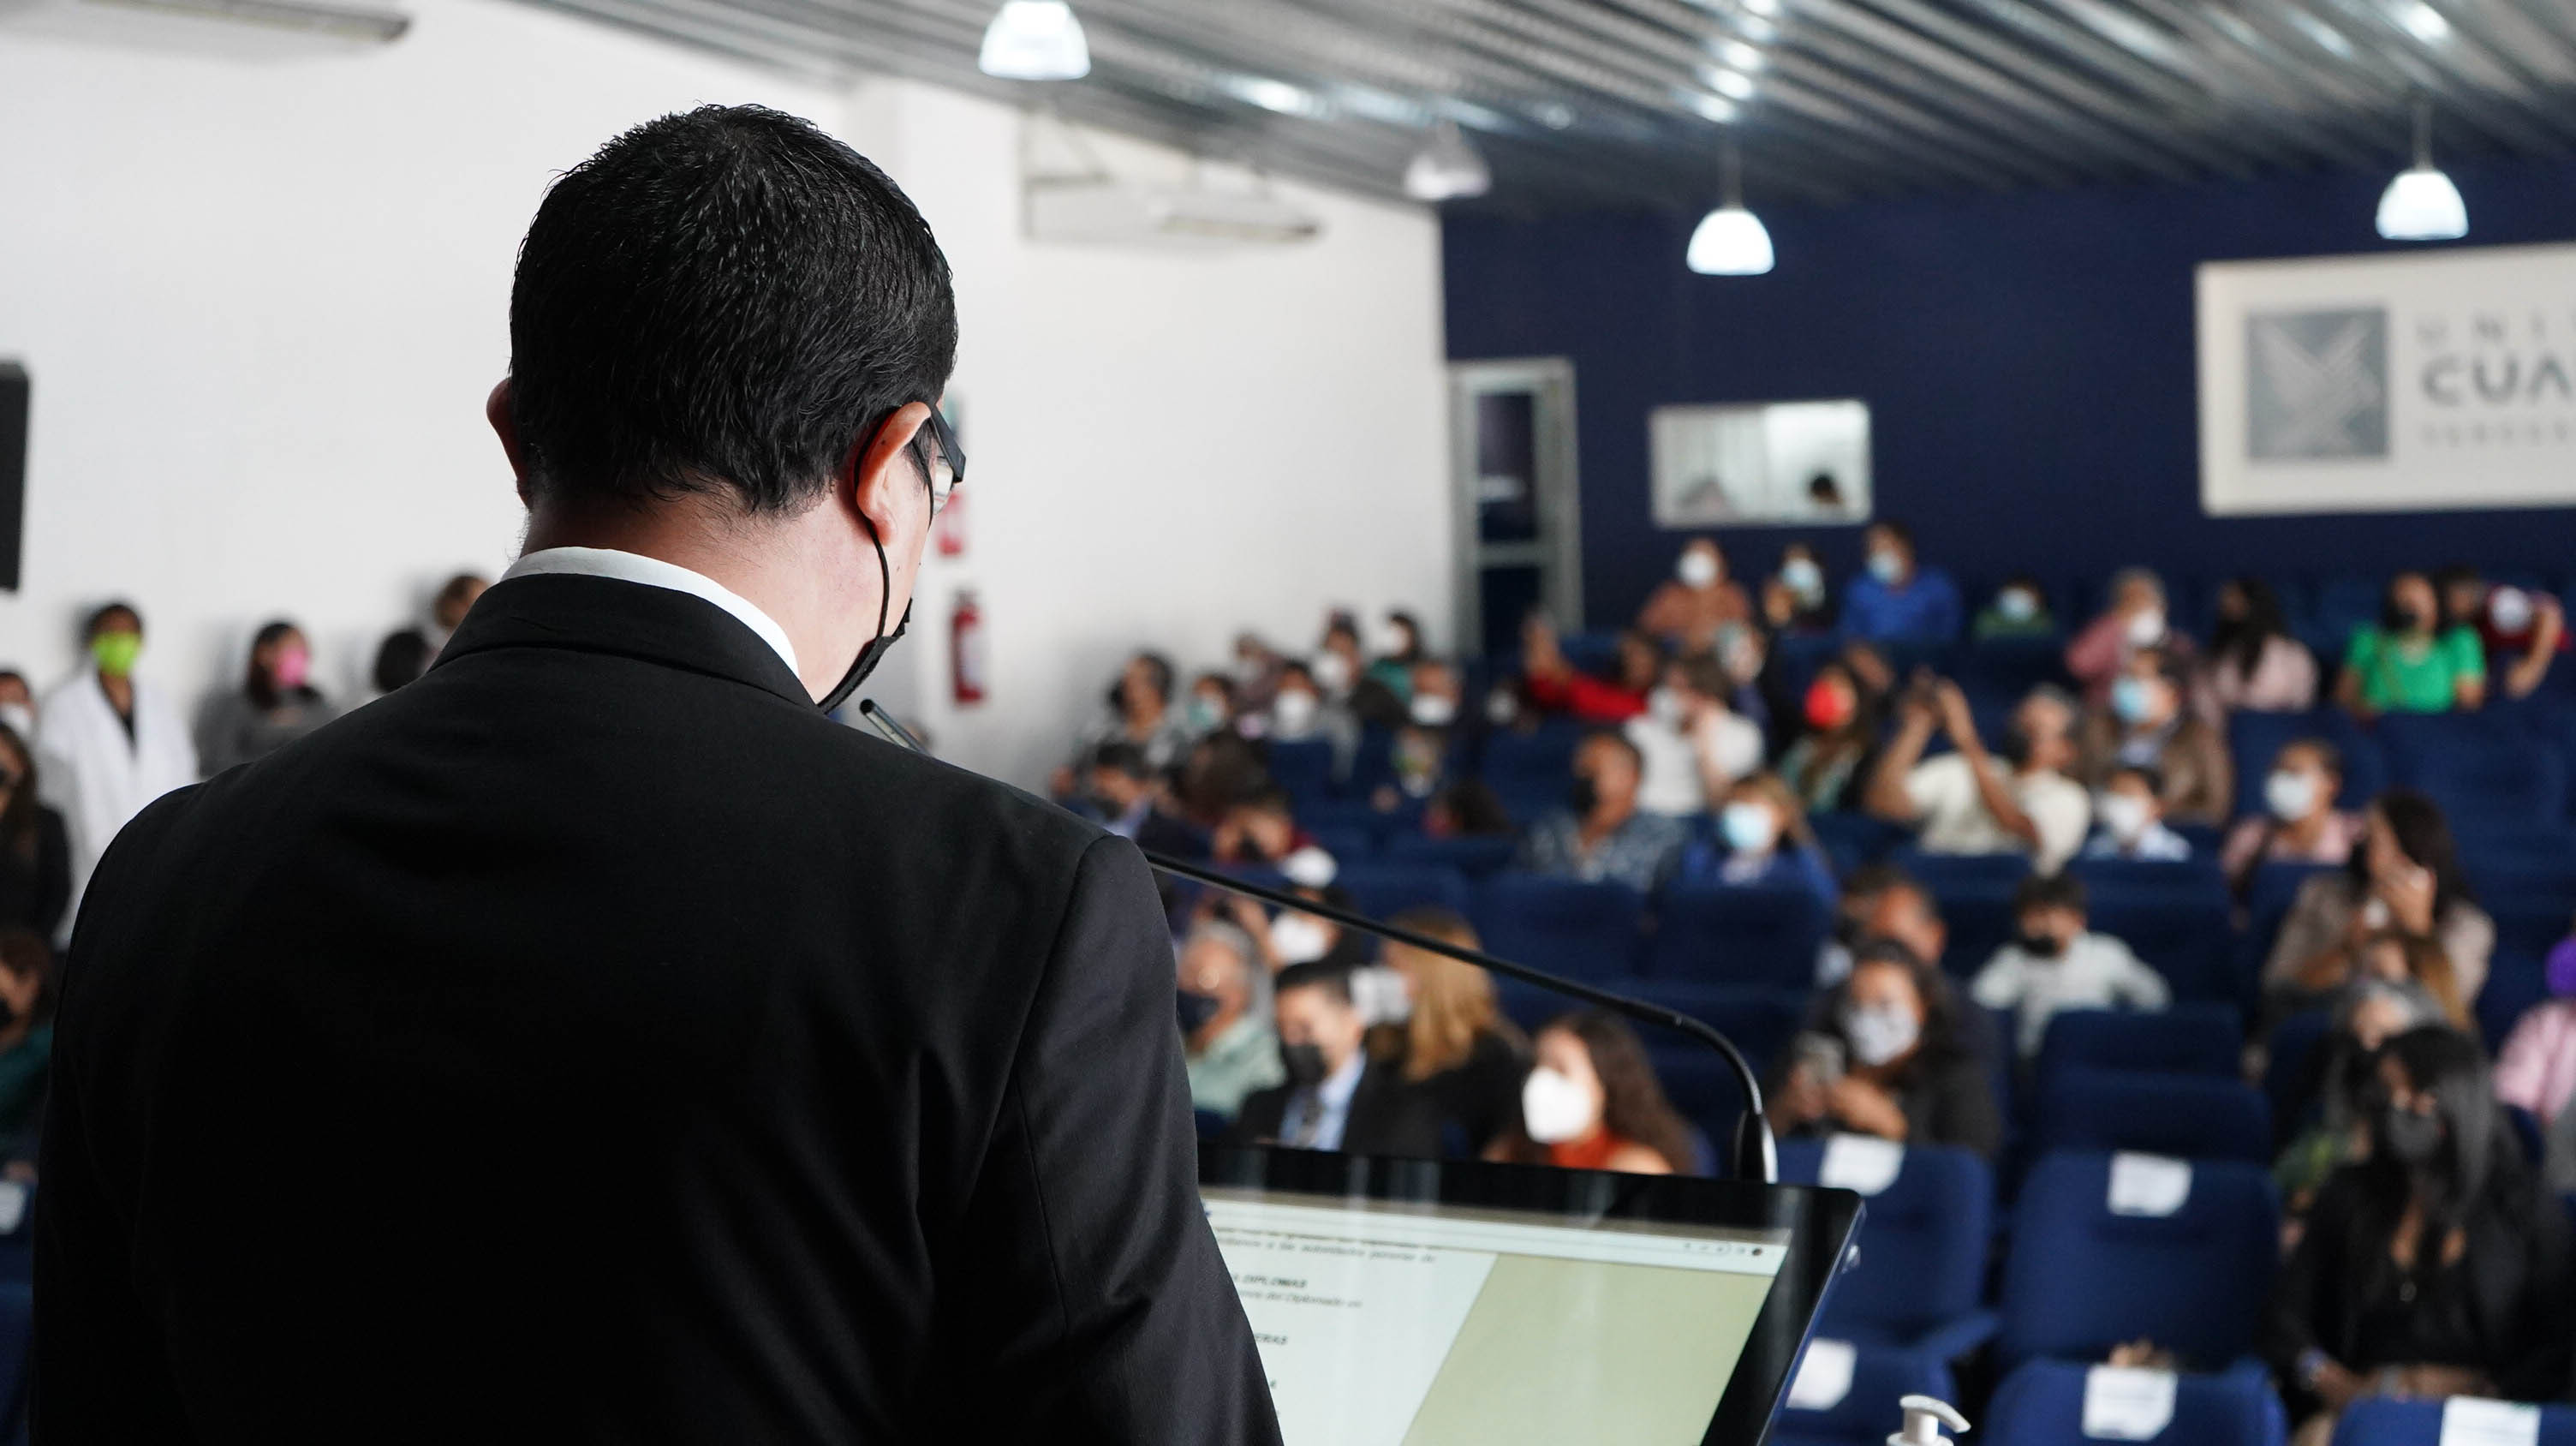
2027	359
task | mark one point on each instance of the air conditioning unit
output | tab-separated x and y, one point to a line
1099	210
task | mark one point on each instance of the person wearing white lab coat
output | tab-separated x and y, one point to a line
108	743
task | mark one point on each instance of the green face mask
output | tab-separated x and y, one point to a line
116	652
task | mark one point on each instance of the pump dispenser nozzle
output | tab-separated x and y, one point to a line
1924	1418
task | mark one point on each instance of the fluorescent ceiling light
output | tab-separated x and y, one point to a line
1271	95
1742	56
1035	40
1730	241
1448	168
2423	21
2420	203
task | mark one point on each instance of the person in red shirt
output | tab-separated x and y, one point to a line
1557	686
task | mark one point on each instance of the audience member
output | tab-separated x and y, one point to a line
17	703
2299	823
1334	1098
1339	660
1686	610
1966	802
2434	1267
1125	797
1882	901
2019	609
1763	841
2328	1111
2055	962
1262	830
1602	834
401	659
1225	1018
275	705
1693	743
456	597
1795	600
2147	720
2405	876
1255	672
1220	773
1211	705
1884	1055
35	845
1557	686
2393	956
2136	620
1399	647
1139	711
2410	663
1468	808
109	742
1896	599
2520	631
1455	1045
1831	754
1591	1102
2536	1069
2130	818
2255	666
27	982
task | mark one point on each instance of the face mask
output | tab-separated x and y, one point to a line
1299	938
1195	1011
1394	640
2509	608
1304	1064
1292	714
293	667
1332	672
2131	702
2290	796
1665	706
1828	707
2124	814
1310	868
1501	708
1554	1109
1432	710
2146	627
1205	714
2039	945
1750	828
1584	796
2016	606
1803	577
1887	567
2561	971
20	718
115	652
2410	1139
1881	1034
1697	569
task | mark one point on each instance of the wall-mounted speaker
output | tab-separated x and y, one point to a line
13	470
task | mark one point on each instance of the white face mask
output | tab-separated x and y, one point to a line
2509	608
1332	672
1309	868
1698	569
1880	1034
1501	708
2290	796
2146	627
1393	639
1292	713
2016	605
2124	814
1665	706
1750	828
21	720
1299	938
1433	710
1803	577
1554	1109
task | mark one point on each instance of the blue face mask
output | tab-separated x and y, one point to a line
2130	701
1887	567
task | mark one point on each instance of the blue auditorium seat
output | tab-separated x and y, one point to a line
2516	980
1699	1084
1544	754
1595	652
1565	926
2528	923
1832	1409
1383	890
2189	939
2042	1404
2011	667
1923	1239
2255	739
1763	937
2290	1053
2195	1117
1347	845
2345	604
17	1321
1477	857
1759	1022
2382	1421
2195	1039
2477	767
1302	766
2081	1279
2198	876
1975	892
1854	839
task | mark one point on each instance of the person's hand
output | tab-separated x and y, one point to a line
2336	1386
1247	916
1540	655
1956	716
2409	896
1866	1108
1921	706
1800	1100
2434	1383
2142	1355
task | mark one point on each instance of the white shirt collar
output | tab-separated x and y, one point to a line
1336	1090
654	572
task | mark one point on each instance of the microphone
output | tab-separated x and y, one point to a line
1753	1154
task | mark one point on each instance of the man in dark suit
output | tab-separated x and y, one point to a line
1336	1097
595	1042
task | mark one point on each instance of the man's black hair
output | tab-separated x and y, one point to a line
2049	891
1896	531
1333	979
1123	758
99	615
720	302
2146	773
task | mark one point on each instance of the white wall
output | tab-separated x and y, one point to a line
262	300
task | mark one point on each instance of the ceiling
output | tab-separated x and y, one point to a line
1628	103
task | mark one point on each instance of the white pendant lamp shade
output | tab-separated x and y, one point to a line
1730	241
1035	40
1448	169
2421	204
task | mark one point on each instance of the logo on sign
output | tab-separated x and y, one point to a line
2316	384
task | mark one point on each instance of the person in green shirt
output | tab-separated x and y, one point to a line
2019	610
2409	664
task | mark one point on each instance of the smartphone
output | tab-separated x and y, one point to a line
1821	1055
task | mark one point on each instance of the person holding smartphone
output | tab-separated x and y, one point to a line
2405	877
1884	1054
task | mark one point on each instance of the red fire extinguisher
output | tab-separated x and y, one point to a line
966	650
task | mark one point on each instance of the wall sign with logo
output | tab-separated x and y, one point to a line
2423	382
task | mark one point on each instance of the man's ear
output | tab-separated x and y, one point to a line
496	410
876	469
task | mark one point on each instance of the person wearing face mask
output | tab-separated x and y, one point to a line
1971	802
1795	600
2330	1106
1883	1054
1339	659
2146	722
2019	610
2536	1068
17	703
1397	643
2435	1267
2405	876
1225	1018
596	1036
1591	1102
1335	1097
1686	610
2137	620
1126	799
1138	710
1211	707
1838	724
2055	962
109	743
275	705
2410	663
2129	819
1602	833
2299	822
1694	745
1763	841
1554	685
2255	666
1254	674
2522	630
35	845
1896	598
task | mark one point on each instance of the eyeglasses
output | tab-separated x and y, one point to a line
943	462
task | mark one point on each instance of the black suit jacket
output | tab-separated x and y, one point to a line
1387	1117
591	1042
